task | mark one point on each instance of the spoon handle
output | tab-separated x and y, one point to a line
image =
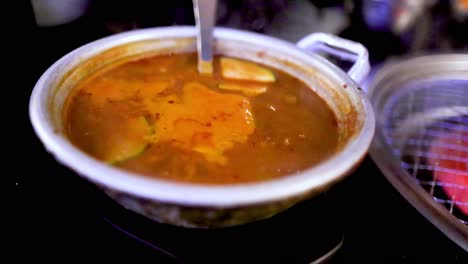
205	12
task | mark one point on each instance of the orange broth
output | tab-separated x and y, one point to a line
159	117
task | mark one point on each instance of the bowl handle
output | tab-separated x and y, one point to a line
342	48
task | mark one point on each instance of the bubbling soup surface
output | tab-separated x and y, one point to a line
159	117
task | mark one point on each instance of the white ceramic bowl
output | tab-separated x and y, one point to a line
196	205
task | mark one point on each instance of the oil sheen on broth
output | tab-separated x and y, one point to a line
159	117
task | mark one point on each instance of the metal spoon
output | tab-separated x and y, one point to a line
205	12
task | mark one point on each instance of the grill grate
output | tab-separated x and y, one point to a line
414	118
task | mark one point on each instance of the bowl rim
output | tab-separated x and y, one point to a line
316	178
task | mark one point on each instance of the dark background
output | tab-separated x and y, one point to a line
58	216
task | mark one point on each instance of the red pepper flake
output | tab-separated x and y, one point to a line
171	101
345	86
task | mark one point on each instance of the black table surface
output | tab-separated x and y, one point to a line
58	216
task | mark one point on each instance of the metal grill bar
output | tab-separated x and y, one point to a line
449	201
425	154
431	168
428	143
444	126
451	185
